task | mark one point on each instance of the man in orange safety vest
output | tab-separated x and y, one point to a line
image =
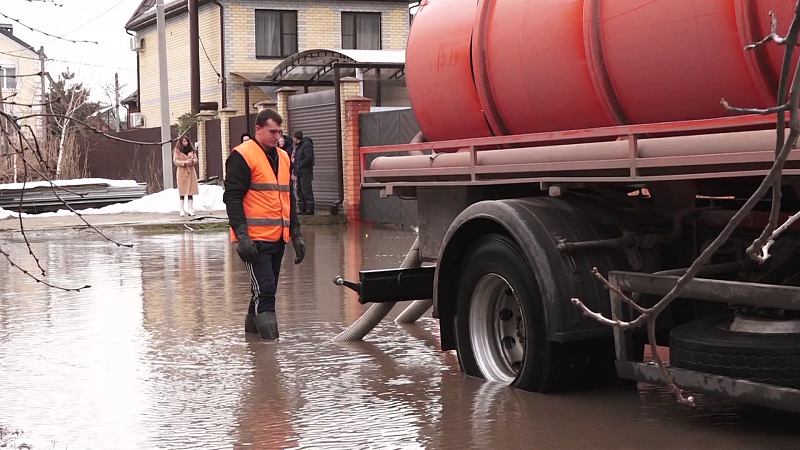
263	217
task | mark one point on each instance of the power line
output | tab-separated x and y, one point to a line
90	21
18	56
48	34
89	64
220	77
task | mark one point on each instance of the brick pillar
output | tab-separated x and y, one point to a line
354	106
202	142
283	106
225	115
350	87
266	104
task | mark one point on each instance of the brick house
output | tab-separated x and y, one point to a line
252	36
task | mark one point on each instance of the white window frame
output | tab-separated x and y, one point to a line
5	81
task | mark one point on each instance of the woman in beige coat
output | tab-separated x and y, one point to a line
185	159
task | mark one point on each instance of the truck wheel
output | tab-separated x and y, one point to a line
500	328
708	345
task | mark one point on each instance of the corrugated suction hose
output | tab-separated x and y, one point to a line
415	310
373	316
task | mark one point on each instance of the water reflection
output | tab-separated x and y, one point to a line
154	356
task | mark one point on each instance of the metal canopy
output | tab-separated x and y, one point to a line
315	67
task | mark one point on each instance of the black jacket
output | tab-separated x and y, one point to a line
304	159
237	183
289	146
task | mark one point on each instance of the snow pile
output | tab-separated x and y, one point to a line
68	183
6	214
209	199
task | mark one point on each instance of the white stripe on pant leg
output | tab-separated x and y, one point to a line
254	287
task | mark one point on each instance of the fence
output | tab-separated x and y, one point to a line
214	148
108	158
387	128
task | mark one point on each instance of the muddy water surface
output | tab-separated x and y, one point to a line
154	356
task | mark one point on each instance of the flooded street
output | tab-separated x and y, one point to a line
154	355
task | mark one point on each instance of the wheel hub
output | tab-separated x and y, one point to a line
497	329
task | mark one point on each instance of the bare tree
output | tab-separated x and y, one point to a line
27	148
759	250
75	99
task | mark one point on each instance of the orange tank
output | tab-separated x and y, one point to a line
494	67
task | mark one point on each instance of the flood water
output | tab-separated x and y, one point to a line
154	355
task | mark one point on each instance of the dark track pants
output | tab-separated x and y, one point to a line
264	276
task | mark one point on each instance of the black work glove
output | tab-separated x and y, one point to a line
246	248
299	249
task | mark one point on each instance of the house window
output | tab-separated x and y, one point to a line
361	31
276	33
7	77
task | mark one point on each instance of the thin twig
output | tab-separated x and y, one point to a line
21	224
773	110
100	132
761	244
617	291
651	336
80	216
25	75
38	280
773	36
783	147
31	105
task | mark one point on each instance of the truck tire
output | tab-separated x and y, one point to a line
501	333
708	345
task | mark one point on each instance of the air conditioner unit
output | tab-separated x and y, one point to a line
137	120
137	44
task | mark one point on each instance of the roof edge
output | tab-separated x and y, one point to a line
19	41
171	10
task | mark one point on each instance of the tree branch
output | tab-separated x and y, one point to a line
39	280
784	145
773	110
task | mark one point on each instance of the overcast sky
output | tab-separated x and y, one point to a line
93	20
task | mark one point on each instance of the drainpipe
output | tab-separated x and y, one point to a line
138	83
222	53
339	164
194	56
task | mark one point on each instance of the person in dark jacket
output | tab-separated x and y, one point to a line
263	217
304	169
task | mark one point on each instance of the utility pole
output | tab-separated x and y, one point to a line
166	135
116	105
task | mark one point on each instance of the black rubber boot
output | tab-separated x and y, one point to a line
310	210
267	324
301	208
250	324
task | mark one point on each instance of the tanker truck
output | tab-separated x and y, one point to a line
566	135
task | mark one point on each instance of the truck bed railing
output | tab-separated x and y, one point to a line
697	149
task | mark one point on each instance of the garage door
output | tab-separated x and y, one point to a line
315	115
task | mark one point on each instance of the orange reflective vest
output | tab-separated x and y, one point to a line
267	203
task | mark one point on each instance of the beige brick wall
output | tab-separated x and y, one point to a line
318	25
178	66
